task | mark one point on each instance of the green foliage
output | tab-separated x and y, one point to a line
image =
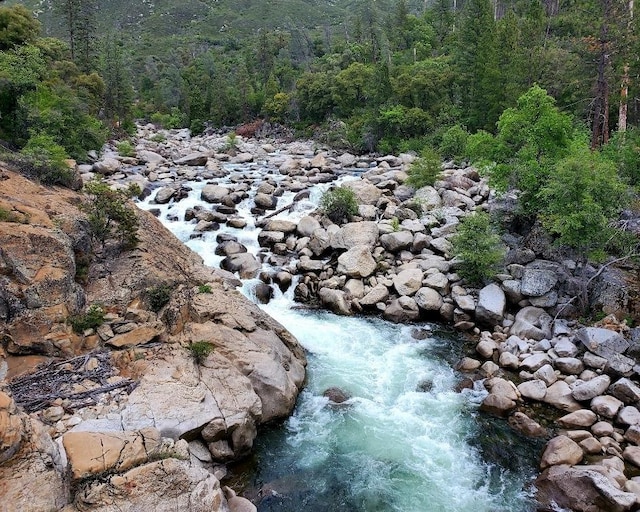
581	199
174	119
395	224
624	150
454	143
110	214
8	216
47	161
339	204
158	297
125	148
17	27
94	317
531	138
478	247
204	288
424	171
158	137
200	350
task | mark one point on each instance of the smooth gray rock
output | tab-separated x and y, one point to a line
569	365
533	389
428	299
193	159
403	309
214	193
491	305
534	362
583	418
626	390
564	348
355	233
533	323
307	225
379	293
397	241
546	374
605	405
629	415
164	195
591	389
559	395
335	300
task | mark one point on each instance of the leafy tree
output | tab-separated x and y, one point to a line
478	246
339	203
17	27
353	87
119	94
581	198
531	138
425	170
79	20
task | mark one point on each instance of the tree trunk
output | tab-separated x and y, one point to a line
624	86
600	125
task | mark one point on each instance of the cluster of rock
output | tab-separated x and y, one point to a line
590	375
161	442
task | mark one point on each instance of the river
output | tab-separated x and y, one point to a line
405	441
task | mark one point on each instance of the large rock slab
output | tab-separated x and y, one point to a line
162	486
93	453
581	490
355	233
602	342
491	305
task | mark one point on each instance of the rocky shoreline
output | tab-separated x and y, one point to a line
393	259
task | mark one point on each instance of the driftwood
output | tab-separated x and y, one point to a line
59	380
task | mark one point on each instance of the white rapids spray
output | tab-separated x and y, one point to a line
400	443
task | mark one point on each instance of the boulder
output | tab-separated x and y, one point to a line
193	159
214	193
533	323
559	396
164	195
280	225
428	197
355	233
561	450
591	388
107	166
626	390
319	241
335	300
537	282
243	263
533	389
408	282
569	365
403	309
583	418
602	342
397	241
629	415
526	426
428	299
149	157
497	405
365	192
491	305
535	362
138	336
357	262
379	293
307	225
606	406
581	490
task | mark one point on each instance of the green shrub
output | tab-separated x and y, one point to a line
8	216
158	137
204	288
200	350
339	204
94	317
581	199
425	170
454	143
46	161
158	297
125	148
479	248
110	214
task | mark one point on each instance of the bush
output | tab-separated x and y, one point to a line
205	288
158	297
200	350
479	248
581	199
425	170
94	317
125	148
46	161
454	143
110	214
339	204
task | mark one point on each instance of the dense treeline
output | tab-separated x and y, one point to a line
544	92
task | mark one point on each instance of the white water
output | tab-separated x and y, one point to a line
390	447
